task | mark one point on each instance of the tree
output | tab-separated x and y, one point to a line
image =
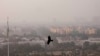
86	45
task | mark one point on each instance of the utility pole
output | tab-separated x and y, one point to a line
8	34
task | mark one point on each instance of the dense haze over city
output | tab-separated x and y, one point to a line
49	12
74	27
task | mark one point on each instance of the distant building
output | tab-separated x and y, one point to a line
64	39
94	40
90	31
41	42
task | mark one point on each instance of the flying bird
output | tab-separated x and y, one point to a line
49	40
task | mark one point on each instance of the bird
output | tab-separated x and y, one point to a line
49	40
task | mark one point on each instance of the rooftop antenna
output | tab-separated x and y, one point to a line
8	34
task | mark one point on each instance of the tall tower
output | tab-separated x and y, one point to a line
8	34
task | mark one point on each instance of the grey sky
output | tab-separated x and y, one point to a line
46	11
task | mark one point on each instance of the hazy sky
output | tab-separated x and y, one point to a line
47	11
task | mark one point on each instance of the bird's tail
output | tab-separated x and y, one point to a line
51	40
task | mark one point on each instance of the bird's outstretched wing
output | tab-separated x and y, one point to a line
48	41
49	38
